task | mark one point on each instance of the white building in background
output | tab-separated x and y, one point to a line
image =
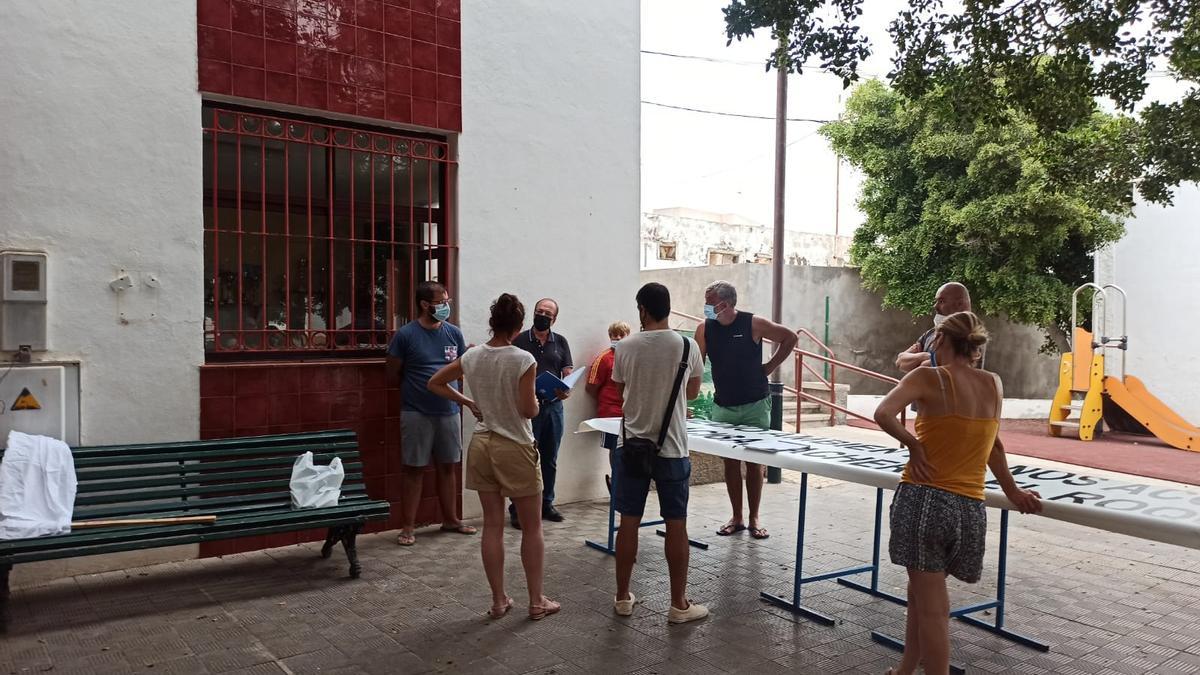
681	237
1158	265
235	201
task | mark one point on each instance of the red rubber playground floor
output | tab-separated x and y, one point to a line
1124	453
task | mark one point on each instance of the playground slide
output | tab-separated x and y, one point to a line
1133	397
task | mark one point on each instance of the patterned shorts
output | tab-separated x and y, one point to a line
938	531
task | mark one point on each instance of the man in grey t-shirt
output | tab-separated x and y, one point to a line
645	370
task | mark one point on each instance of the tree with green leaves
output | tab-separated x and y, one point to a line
1007	209
1056	57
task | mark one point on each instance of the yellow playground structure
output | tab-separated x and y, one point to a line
1087	398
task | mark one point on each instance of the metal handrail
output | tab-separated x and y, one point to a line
830	358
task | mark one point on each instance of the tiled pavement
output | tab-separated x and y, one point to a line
1107	604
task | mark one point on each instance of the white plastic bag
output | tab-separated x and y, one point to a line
37	487
314	486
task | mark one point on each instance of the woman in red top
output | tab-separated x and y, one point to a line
600	384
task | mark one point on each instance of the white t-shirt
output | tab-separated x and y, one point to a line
493	377
647	363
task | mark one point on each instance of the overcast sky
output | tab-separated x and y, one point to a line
725	164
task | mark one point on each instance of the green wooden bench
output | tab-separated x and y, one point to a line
242	481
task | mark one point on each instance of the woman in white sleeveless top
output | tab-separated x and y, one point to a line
502	461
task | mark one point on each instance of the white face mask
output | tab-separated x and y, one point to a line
939	319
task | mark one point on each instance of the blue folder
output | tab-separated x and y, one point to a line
547	384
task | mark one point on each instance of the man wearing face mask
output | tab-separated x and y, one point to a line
553	355
732	340
952	297
430	429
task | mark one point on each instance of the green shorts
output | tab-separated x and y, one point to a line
756	414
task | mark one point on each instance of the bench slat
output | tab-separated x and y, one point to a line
174	467
155	495
197	478
153	532
193	506
87	460
361	516
310	437
199	507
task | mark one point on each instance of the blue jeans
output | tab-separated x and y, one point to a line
670	476
547	435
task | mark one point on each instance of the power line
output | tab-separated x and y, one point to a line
729	114
760	64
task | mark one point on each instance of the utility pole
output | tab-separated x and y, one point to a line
774	475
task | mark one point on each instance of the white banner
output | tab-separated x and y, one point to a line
1166	514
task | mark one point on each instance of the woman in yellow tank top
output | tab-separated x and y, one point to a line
938	520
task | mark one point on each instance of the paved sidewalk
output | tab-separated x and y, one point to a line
1107	604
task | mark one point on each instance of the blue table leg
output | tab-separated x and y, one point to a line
962	613
793	605
611	549
876	548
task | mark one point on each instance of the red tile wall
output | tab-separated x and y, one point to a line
280	398
398	60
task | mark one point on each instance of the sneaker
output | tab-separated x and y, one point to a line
625	607
694	612
550	513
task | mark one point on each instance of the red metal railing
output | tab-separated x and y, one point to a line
827	357
315	234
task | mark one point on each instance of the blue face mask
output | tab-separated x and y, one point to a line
614	344
710	312
441	312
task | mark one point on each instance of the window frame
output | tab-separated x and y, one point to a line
420	253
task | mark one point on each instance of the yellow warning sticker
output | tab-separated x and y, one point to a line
26	401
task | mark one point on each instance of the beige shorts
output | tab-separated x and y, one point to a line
496	463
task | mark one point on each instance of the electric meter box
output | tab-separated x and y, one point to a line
23	301
41	399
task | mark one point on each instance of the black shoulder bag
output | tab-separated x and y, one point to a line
638	453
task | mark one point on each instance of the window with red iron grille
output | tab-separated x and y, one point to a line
316	234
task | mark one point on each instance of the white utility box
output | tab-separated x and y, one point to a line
22	301
40	399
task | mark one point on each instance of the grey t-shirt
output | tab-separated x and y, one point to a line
493	376
647	363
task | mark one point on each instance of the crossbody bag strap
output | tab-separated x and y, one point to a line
683	365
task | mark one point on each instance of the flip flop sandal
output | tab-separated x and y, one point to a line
406	539
759	533
539	612
728	529
460	529
498	611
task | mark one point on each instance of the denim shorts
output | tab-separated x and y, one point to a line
670	477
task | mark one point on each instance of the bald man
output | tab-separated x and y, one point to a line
951	298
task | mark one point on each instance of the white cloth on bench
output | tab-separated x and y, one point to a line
37	487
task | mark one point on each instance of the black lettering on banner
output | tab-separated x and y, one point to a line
1110	504
1159	494
1131	489
1162	512
1077	497
872	463
825	454
1021	469
1050	475
1081	481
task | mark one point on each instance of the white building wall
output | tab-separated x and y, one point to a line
100	163
548	188
1157	265
696	235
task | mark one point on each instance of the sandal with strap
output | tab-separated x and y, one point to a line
545	609
406	539
730	528
759	533
498	611
459	529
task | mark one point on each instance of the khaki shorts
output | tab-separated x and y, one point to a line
496	463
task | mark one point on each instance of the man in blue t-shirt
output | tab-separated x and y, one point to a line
430	429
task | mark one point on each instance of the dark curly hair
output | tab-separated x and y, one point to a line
508	315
